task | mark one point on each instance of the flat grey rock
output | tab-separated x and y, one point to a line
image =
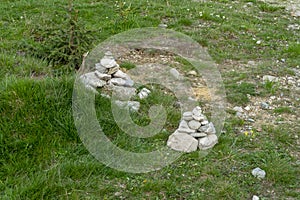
199	118
129	83
183	142
91	79
184	127
198	135
208	142
118	81
120	74
210	129
100	68
102	76
108	62
204	122
193	124
187	116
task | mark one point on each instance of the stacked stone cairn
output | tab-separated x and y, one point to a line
194	132
108	74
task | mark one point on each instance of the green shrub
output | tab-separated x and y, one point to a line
59	42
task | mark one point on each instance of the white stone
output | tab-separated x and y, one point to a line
258	173
108	62
194	124
100	68
120	74
144	93
91	79
193	73
197	111
129	83
175	73
187	116
204	122
238	109
254	197
208	128
183	142
109	55
199	118
118	81
291	82
197	114
208	142
198	135
183	127
104	77
270	78
132	105
162	25
247	108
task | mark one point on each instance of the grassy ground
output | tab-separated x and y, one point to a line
42	156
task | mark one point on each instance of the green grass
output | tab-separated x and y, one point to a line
42	156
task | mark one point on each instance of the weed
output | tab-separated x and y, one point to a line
237	93
282	109
127	65
271	87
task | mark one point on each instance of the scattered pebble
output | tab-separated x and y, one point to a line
192	73
175	73
238	109
255	197
258	173
163	26
269	78
264	105
144	93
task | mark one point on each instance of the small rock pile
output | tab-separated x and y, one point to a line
108	74
194	131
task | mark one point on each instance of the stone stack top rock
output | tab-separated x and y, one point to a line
108	74
194	123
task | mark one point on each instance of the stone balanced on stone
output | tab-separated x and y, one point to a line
194	131
107	73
